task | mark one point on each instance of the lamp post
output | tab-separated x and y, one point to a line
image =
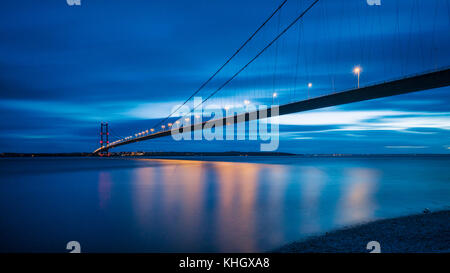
309	87
357	71
226	110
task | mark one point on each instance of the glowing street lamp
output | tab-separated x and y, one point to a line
151	130
246	102
227	107
357	71
163	126
309	87
170	124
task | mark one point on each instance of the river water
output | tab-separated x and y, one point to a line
210	204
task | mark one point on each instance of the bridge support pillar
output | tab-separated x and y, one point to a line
104	138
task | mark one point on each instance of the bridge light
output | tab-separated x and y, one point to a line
275	95
310	85
151	130
177	122
227	108
170	124
163	126
246	102
197	116
186	119
357	71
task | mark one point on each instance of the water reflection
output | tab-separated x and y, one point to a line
236	194
157	205
104	189
227	206
357	203
313	182
143	185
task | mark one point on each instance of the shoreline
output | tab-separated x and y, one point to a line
418	233
215	154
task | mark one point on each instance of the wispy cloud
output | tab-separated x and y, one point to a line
381	120
92	111
406	147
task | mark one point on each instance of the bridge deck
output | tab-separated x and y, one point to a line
410	84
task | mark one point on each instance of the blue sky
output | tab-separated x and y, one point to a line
64	69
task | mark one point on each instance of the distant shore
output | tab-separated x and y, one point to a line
421	233
193	154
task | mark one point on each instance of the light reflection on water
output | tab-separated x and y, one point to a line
185	205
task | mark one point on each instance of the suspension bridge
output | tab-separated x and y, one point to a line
279	64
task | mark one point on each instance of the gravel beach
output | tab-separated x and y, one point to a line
422	233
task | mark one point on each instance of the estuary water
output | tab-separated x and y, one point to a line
209	204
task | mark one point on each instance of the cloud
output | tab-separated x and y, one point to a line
152	110
91	111
406	147
370	120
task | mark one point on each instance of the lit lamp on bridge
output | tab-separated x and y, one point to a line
357	71
170	124
309	87
163	126
274	95
227	107
151	130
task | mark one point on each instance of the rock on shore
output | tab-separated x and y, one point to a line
428	232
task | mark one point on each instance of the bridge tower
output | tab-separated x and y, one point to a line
104	138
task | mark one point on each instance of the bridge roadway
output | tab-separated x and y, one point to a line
429	80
